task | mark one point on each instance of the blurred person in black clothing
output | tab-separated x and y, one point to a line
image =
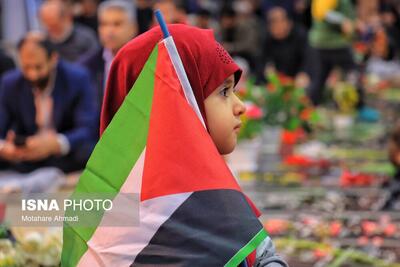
302	13
87	13
298	10
204	20
144	13
239	37
285	47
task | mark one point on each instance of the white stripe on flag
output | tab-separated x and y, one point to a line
131	185
119	246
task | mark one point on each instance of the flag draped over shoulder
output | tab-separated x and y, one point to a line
192	211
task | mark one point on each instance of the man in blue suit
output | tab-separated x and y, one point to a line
48	115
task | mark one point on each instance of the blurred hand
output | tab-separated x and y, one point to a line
302	80
347	27
41	146
9	151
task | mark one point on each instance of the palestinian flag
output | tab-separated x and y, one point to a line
192	211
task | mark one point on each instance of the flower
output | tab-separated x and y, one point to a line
253	111
40	247
278	103
286	105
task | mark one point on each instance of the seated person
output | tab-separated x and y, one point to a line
47	112
286	46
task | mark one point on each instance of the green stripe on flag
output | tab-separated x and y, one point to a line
113	157
246	250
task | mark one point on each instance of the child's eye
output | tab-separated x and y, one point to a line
224	92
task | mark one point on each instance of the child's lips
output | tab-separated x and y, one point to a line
236	129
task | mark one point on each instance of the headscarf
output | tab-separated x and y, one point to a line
206	62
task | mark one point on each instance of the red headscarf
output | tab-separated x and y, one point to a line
206	63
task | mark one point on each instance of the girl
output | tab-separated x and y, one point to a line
212	74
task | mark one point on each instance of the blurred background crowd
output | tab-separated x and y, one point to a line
301	39
56	54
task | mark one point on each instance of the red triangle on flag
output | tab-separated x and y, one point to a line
180	154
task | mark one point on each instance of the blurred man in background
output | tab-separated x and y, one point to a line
47	112
117	25
70	40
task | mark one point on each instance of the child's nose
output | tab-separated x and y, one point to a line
239	107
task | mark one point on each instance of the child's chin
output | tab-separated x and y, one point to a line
227	150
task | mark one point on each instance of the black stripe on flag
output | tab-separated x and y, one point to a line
208	229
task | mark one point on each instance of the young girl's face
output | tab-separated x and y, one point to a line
223	109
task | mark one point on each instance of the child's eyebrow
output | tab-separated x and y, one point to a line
228	82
